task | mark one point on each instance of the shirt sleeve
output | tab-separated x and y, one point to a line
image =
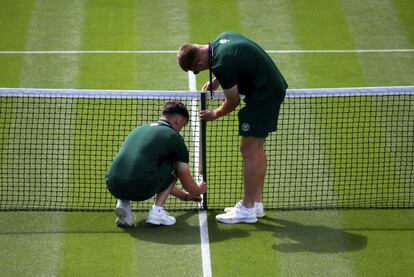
227	76
180	149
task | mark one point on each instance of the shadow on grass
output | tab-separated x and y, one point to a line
295	237
185	231
291	236
286	236
181	232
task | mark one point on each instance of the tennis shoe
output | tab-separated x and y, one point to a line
258	207
123	213
238	214
159	217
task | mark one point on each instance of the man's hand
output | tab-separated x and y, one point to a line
208	115
202	187
196	197
231	101
215	82
192	197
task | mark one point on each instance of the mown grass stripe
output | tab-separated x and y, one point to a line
108	26
53	25
60	29
168	31
381	68
14	21
319	25
388	25
404	10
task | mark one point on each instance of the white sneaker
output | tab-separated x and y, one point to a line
159	217
238	214
123	213
258	207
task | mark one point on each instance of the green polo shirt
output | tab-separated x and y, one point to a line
239	60
144	151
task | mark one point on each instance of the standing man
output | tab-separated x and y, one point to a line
241	66
149	162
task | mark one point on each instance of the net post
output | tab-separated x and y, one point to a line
203	159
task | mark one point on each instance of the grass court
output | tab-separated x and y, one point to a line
130	45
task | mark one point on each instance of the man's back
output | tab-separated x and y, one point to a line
239	60
145	148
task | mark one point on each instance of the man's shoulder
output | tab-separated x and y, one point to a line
228	39
154	128
229	35
230	44
161	125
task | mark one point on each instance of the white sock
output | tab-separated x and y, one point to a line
157	208
244	207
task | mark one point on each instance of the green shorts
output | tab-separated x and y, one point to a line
141	190
259	119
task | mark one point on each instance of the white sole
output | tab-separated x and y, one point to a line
149	221
235	221
152	221
122	224
260	215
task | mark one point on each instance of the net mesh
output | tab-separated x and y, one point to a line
334	148
354	151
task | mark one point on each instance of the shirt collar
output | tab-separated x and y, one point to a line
165	123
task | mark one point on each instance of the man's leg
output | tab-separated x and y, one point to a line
254	169
123	207
157	215
162	196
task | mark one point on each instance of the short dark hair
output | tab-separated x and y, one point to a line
187	56
174	107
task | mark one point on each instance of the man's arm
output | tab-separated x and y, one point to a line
184	195
215	84
231	101
187	180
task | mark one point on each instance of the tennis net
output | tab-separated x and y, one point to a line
335	148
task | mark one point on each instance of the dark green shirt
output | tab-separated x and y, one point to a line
145	149
239	60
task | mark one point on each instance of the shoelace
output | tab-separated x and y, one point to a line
164	212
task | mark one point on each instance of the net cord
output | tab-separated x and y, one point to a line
144	94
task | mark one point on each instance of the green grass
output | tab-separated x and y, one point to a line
85	244
291	243
333	243
309	243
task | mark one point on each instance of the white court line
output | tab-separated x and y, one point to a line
205	243
77	52
341	51
202	215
